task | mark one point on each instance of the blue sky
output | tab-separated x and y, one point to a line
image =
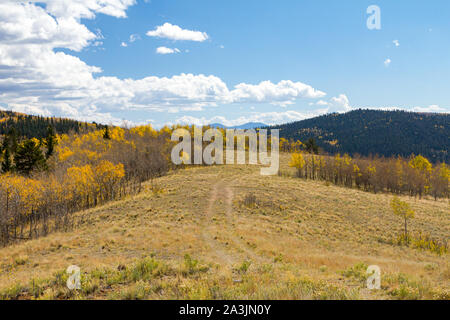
314	56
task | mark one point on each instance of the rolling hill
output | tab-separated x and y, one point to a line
386	133
194	234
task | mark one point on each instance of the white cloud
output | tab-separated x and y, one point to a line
34	77
387	62
85	8
340	103
396	43
283	93
124	44
174	32
432	108
165	50
320	103
269	118
27	24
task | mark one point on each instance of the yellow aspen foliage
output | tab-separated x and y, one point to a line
346	159
338	159
444	172
36	141
25	193
64	153
403	210
81	180
117	134
297	161
420	163
371	169
166	131
106	173
356	170
143	131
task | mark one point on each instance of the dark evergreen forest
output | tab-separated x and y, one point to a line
373	132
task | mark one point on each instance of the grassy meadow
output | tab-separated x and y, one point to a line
226	232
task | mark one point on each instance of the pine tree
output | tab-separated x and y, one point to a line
29	157
311	146
12	140
6	164
50	142
106	134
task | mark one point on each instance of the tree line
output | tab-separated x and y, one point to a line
414	176
29	126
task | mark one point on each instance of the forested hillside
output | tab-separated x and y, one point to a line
42	182
386	133
36	126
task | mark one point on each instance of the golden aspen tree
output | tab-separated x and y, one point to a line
422	168
403	210
298	162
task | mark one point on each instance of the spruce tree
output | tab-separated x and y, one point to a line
29	157
50	142
311	146
6	163
12	140
106	134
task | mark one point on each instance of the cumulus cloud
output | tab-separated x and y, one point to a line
269	118
283	93
28	24
36	78
396	43
340	103
387	62
174	32
165	50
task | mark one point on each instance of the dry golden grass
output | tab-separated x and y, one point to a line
292	240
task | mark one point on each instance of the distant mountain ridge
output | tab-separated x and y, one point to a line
246	126
386	133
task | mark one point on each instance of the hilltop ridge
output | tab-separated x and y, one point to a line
371	132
